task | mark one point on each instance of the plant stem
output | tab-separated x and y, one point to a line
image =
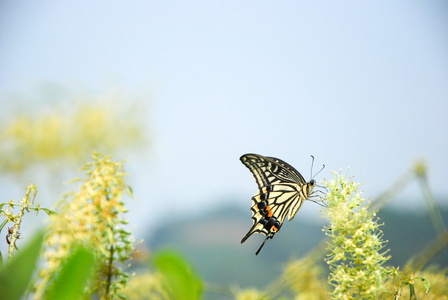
109	274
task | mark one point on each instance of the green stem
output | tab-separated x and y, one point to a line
431	205
15	232
420	260
396	188
109	274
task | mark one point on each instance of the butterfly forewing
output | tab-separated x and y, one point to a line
258	166
284	172
281	192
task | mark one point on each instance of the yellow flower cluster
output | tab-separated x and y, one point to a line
92	216
66	135
250	294
146	286
356	242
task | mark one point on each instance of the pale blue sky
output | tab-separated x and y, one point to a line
355	83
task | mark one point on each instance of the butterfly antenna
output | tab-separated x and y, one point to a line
312	163
323	167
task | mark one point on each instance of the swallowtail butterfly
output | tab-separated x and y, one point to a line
281	192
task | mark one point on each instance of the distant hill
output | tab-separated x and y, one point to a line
212	243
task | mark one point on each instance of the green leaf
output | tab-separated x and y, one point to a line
425	283
73	180
3	224
49	211
412	295
129	192
16	274
181	281
74	275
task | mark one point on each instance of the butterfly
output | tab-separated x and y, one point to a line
281	192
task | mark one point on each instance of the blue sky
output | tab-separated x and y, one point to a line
359	84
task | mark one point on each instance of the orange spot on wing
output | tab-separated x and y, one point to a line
270	213
268	207
274	229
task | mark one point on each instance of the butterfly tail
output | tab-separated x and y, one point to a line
259	249
248	234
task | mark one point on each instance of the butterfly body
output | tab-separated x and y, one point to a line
281	192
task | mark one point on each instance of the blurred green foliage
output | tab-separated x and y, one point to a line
178	276
10	214
16	274
76	272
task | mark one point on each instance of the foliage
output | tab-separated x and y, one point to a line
438	289
7	212
16	274
69	283
93	216
75	273
178	277
86	248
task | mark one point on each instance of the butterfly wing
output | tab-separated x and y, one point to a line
281	192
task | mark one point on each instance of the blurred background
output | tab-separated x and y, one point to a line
182	89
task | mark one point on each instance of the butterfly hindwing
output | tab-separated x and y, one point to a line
281	192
